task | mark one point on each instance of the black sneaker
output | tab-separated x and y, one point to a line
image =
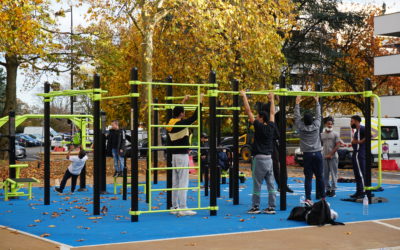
269	210
354	195
57	189
289	190
328	193
254	210
332	193
116	174
120	174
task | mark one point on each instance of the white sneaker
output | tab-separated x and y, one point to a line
172	210
187	213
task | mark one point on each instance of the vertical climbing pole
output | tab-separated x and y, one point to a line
235	179
134	147
97	145
368	155
213	146
155	143
169	155
11	143
47	145
103	186
282	146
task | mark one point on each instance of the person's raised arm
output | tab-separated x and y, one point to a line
272	107
71	147
247	106
192	118
317	111
297	117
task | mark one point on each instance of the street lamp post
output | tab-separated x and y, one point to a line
72	69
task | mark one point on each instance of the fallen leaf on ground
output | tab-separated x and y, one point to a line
95	217
37	221
114	198
124	232
348	233
155	207
45	235
242	220
45	213
52	225
87	228
191	244
205	217
80	240
31	225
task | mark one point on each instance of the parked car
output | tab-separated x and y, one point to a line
56	141
26	140
20	152
39	140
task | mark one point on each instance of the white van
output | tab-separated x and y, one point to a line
390	129
38	131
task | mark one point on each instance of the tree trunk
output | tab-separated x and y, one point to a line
147	59
11	98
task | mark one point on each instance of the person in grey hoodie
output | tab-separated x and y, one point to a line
310	145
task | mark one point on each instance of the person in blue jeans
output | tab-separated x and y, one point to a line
310	145
115	147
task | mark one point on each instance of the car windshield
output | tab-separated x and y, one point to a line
389	133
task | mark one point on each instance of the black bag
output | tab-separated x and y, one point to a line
299	213
320	214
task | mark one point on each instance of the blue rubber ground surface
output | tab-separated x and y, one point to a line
67	220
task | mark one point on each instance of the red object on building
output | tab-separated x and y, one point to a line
389	165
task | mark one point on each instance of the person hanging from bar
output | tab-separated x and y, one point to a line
310	145
275	154
115	146
262	150
179	136
331	143
73	170
358	144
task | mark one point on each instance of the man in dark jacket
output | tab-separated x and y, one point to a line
115	146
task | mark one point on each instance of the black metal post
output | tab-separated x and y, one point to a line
11	143
169	155
235	179
97	149
213	147
82	176
155	143
218	128
46	145
368	155
134	147
124	181
103	169
282	147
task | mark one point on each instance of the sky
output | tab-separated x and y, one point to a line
29	95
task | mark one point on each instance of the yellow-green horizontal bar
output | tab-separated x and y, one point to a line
173	189
120	96
19	166
174	126
72	92
230	116
167	211
178	97
174	105
173	84
172	168
173	147
229	92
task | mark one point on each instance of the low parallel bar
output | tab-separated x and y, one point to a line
174	84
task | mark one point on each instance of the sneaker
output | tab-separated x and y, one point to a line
116	174
331	193
269	210
187	213
57	189
308	203
289	190
120	174
254	210
172	210
355	195
328	193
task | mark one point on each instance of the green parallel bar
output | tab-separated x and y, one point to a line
222	108
167	211
171	147
199	148
379	144
19	166
173	126
177	97
173	105
229	92
172	168
72	92
230	116
174	84
173	189
120	96
149	139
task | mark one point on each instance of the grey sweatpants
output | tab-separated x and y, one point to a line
331	173
180	179
263	170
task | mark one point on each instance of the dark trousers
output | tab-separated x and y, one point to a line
68	175
276	165
359	171
313	166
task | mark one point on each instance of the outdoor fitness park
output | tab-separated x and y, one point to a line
226	203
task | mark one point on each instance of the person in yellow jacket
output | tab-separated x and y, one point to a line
179	136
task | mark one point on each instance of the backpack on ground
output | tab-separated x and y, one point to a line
320	214
299	213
